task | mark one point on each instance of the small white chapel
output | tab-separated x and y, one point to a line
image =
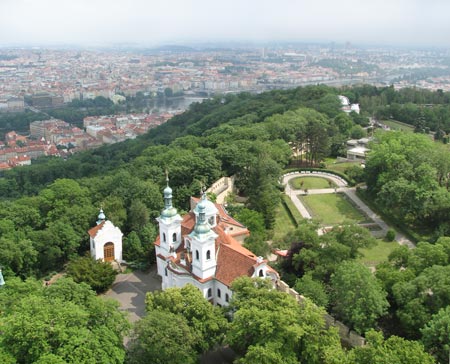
105	240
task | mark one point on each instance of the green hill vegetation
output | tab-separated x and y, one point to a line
47	208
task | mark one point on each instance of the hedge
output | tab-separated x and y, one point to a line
350	182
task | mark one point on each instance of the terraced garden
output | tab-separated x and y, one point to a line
333	209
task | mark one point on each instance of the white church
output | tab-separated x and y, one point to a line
105	240
204	248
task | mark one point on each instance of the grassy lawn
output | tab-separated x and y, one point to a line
310	183
340	167
378	253
396	125
291	207
283	224
332	209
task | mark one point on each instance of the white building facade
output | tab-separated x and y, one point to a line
203	248
105	240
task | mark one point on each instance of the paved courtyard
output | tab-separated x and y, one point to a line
130	290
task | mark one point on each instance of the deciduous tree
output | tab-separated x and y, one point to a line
268	324
205	320
162	337
392	350
422	297
357	297
64	323
436	335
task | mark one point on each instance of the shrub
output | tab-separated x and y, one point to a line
390	235
97	274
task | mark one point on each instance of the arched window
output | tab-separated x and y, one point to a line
197	255
227	297
208	255
174	237
164	237
218	292
261	273
211	221
209	292
166	272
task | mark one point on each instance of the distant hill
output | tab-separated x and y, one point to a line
170	48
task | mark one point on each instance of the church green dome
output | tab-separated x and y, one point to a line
168	191
101	215
209	207
202	228
169	212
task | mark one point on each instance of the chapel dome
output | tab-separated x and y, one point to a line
169	212
101	215
167	191
209	207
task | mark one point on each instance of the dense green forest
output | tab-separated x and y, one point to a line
423	109
47	208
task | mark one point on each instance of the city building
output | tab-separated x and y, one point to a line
357	149
202	248
357	153
346	106
16	104
46	100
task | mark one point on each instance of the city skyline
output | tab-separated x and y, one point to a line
149	23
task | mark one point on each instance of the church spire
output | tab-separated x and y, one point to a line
101	216
167	194
169	210
201	226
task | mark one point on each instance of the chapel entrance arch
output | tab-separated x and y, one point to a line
108	252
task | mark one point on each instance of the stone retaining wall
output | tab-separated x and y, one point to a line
222	188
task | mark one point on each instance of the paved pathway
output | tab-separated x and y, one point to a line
130	290
343	188
292	193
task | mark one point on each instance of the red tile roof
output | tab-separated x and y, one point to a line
93	232
188	223
224	219
233	260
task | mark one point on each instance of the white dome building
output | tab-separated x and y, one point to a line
106	240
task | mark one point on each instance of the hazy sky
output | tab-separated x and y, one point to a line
148	22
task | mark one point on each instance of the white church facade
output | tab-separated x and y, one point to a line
204	248
105	240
